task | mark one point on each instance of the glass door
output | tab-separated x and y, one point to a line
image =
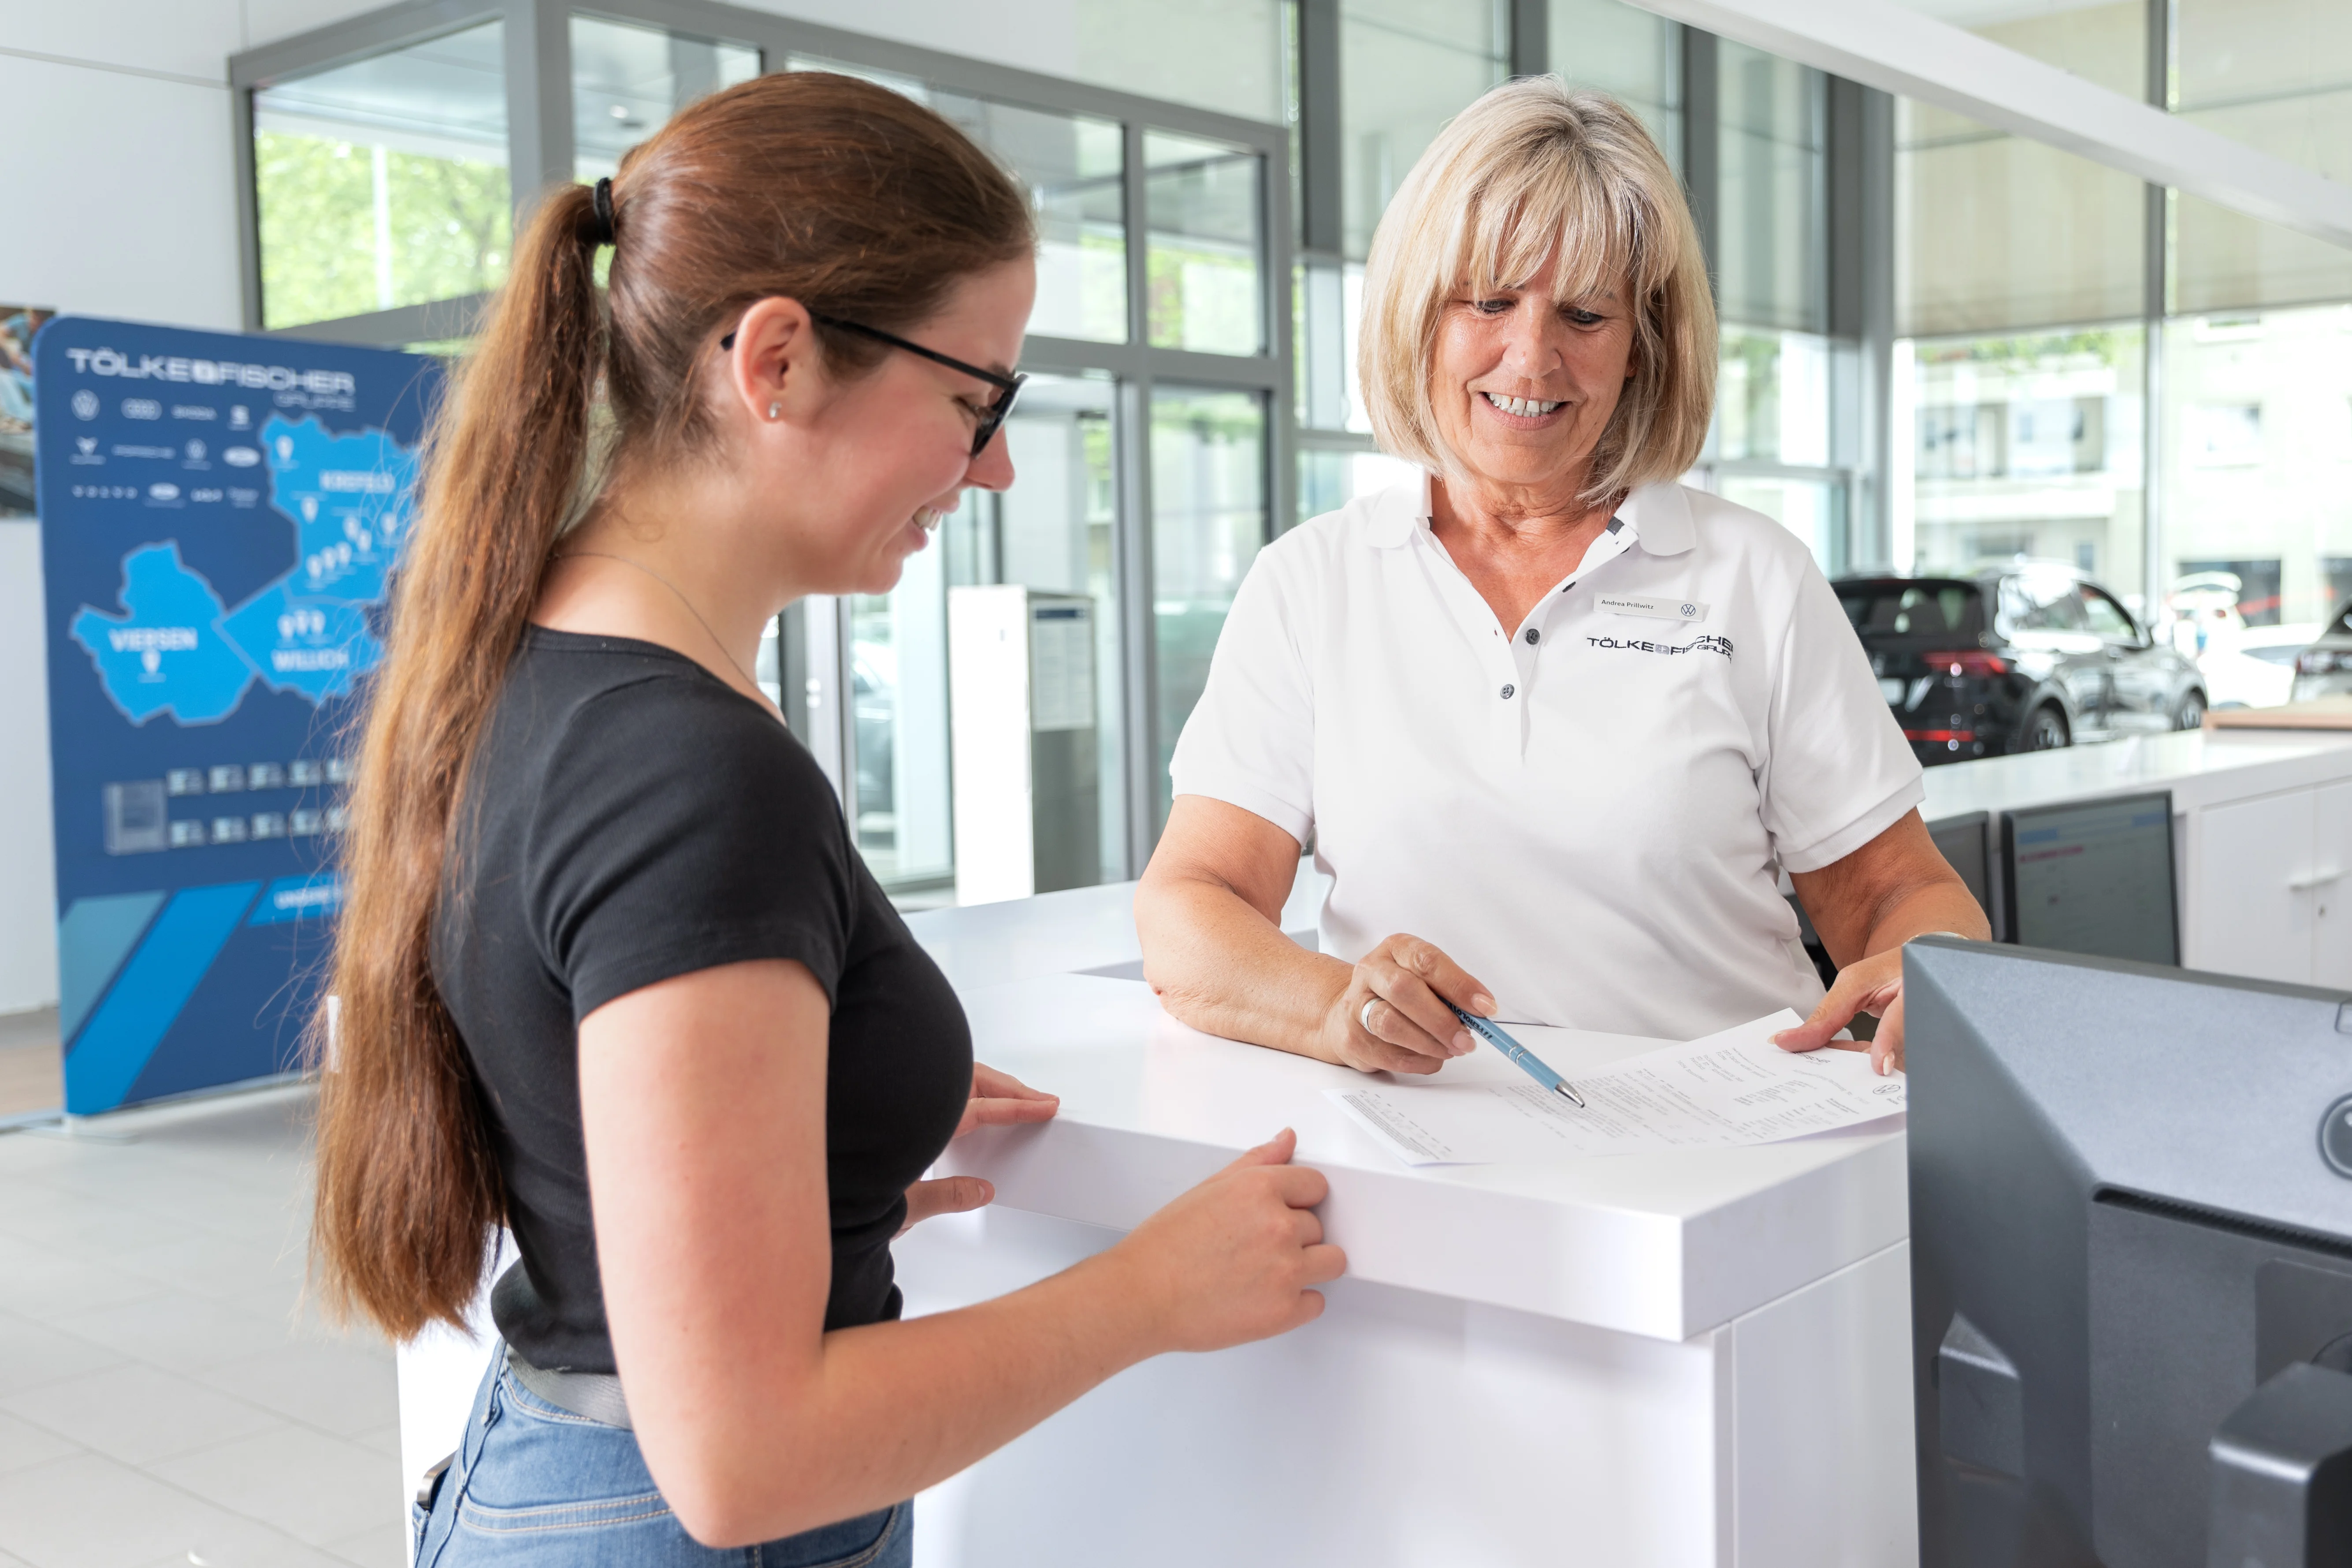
1054	533
1208	518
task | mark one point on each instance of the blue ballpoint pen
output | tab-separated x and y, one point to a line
1529	1063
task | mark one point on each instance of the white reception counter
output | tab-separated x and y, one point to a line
1695	1358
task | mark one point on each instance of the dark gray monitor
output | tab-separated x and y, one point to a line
1966	842
2131	1263
2092	877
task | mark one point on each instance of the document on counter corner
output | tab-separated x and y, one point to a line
1730	1088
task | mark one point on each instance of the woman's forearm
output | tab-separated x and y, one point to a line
1226	968
775	1435
846	1440
1943	907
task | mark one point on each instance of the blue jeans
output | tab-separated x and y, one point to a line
532	1484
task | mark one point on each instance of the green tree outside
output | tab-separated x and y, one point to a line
449	223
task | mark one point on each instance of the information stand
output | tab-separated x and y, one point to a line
220	518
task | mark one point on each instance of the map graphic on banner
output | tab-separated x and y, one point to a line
175	650
221	516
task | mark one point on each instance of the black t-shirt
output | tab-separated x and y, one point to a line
630	817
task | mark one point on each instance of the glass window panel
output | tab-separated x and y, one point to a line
1772	399
1203	265
1052	532
2104	42
1208	518
913	87
1812	509
1995	232
1220	55
1329	479
1330	310
1225	55
2276	75
2257	454
1772	213
1406	67
1073	167
1633	55
2224	260
627	80
384	183
2024	445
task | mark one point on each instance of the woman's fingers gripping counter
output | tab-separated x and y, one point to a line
998	1100
1236	1258
1393	1014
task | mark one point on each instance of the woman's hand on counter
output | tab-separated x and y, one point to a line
998	1100
1234	1258
1392	1017
1865	907
1873	985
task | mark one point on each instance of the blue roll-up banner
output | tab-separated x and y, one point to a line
219	517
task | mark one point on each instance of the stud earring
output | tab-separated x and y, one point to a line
775	411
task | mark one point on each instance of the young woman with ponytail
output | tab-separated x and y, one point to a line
611	972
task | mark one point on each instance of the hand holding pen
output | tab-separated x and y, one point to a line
1396	1015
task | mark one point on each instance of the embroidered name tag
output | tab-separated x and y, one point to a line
1652	609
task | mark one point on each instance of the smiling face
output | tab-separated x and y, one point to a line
1522	387
856	471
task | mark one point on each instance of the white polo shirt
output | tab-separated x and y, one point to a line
1588	812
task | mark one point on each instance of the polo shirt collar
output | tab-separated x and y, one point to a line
1397	512
1658	515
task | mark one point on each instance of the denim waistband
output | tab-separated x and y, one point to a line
592	1395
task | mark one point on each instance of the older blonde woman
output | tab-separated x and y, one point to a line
1554	721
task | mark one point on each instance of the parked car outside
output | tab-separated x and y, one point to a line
2324	669
2202	608
2023	657
2256	667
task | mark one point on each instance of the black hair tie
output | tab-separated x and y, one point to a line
603	235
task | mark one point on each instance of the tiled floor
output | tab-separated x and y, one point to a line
165	1396
30	1078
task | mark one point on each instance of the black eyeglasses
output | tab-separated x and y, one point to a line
1008	387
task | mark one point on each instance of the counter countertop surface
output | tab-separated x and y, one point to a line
1664	1245
2193	764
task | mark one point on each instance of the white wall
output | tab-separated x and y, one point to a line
29	936
121	202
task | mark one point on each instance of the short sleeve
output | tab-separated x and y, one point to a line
1838	772
681	829
1250	741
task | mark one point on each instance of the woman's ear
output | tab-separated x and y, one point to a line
775	368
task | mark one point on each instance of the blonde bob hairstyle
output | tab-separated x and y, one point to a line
1530	170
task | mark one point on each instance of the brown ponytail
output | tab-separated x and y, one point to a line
847	196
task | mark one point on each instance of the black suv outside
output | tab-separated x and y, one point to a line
2015	658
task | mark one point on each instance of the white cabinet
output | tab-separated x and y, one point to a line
2247	916
2331	892
2273	894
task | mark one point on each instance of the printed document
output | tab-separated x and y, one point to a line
1731	1089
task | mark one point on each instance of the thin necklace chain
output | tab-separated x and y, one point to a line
716	640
